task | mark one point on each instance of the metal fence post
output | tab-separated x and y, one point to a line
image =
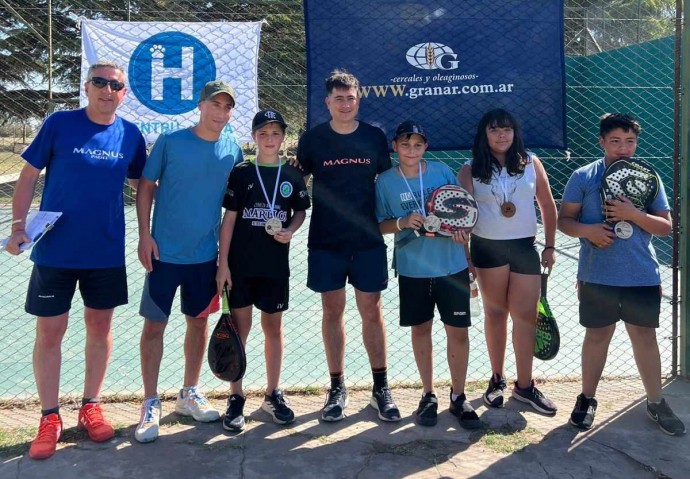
684	346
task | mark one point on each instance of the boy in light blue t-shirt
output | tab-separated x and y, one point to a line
433	271
618	276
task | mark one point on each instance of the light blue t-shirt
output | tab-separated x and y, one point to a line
86	164
422	257
192	175
627	262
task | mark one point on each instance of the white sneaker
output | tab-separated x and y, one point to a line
191	402
147	430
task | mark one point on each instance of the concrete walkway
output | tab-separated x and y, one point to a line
516	442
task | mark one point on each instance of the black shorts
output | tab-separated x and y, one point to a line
451	294
602	305
520	254
366	270
270	295
51	289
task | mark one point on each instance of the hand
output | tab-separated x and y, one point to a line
412	221
283	236
292	161
147	249
461	237
15	240
223	278
620	209
601	235
548	259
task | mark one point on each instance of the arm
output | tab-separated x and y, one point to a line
465	178
413	221
599	234
21	202
285	235
658	223
227	227
549	214
147	245
134	183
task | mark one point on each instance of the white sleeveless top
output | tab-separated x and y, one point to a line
520	190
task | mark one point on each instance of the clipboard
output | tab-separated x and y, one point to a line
38	223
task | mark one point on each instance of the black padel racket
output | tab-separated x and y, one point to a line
548	338
226	355
632	178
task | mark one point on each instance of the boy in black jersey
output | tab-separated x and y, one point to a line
265	204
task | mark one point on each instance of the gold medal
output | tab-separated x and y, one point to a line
508	209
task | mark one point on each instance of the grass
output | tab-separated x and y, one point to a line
508	440
10	163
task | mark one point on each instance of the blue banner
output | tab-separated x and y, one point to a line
443	63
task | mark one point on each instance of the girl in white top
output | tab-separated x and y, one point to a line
505	180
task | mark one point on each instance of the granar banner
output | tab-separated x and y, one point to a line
443	63
169	63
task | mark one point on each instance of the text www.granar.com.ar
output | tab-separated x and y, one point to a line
419	92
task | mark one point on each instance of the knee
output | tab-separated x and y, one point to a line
272	329
458	335
599	336
153	330
422	330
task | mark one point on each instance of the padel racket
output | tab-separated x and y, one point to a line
632	178
226	355
548	337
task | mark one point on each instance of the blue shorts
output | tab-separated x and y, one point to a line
197	282
51	289
270	295
366	270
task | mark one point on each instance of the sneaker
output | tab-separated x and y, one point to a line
427	411
234	414
147	430
463	410
191	402
49	432
532	396
336	402
382	401
277	406
662	415
493	397
582	416
91	418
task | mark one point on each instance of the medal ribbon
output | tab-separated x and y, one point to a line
271	204
421	189
503	182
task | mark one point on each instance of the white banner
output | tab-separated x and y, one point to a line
167	65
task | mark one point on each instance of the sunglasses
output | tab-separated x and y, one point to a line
99	82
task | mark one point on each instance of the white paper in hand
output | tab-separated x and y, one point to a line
38	223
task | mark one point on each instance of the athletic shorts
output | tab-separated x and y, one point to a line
197	284
366	270
520	255
602	305
270	295
450	294
51	289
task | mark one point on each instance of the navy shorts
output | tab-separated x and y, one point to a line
51	289
520	254
450	294
366	270
197	283
602	305
270	295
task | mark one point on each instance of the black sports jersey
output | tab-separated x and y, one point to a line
344	168
253	252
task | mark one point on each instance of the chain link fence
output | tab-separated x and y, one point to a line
620	57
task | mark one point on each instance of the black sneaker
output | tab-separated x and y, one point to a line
493	397
582	416
427	411
532	396
277	406
336	401
662	415
234	415
463	410
382	401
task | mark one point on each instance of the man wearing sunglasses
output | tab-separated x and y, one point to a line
188	170
88	154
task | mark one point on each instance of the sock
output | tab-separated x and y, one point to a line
454	397
337	380
656	403
45	412
380	378
85	401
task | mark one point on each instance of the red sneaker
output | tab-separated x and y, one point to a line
49	432
91	418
